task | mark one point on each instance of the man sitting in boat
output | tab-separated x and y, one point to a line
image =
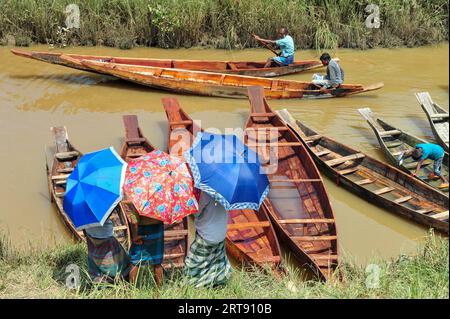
433	152
286	44
334	77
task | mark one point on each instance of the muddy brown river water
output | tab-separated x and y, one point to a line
35	96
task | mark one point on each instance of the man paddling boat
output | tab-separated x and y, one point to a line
285	43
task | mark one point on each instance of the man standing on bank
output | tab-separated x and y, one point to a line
285	43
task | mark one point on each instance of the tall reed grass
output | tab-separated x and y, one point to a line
226	23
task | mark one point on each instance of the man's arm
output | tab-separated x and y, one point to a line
419	165
265	40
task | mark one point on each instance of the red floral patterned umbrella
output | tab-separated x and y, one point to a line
161	187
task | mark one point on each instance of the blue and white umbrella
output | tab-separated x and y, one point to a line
94	188
228	171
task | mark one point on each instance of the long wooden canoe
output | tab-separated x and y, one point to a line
251	238
394	141
229	67
65	159
176	236
298	203
437	116
375	181
219	84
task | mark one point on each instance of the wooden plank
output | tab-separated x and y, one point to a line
439	116
65	170
383	190
344	159
248	225
325	257
323	153
306	221
266	128
364	181
131	127
314	238
172	256
425	211
390	133
61	182
394	144
441	216
183	123
348	171
403	199
63	156
312	138
60	194
58	177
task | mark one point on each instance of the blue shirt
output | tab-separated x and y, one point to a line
286	45
431	151
211	220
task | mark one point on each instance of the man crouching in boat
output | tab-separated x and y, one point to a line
334	77
207	263
286	44
429	151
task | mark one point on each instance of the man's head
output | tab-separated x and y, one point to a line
283	31
417	154
325	58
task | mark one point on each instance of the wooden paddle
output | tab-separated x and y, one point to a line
264	44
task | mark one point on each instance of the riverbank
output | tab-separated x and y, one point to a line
33	274
224	24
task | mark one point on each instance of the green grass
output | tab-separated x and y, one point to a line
42	274
225	24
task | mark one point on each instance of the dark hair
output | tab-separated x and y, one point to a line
285	29
325	57
417	154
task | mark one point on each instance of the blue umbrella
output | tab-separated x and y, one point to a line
227	170
94	188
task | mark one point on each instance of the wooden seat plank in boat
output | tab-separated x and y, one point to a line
238	67
405	142
437	117
305	203
176	236
65	159
407	195
250	237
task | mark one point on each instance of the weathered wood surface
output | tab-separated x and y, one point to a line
250	237
238	67
218	84
402	194
437	117
301	211
394	145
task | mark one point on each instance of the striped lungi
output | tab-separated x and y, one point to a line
106	258
207	264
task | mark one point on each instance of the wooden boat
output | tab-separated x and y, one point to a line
65	159
229	67
437	116
218	84
176	236
250	237
394	141
375	181
298	203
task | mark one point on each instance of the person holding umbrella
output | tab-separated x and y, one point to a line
160	189
229	175
93	191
